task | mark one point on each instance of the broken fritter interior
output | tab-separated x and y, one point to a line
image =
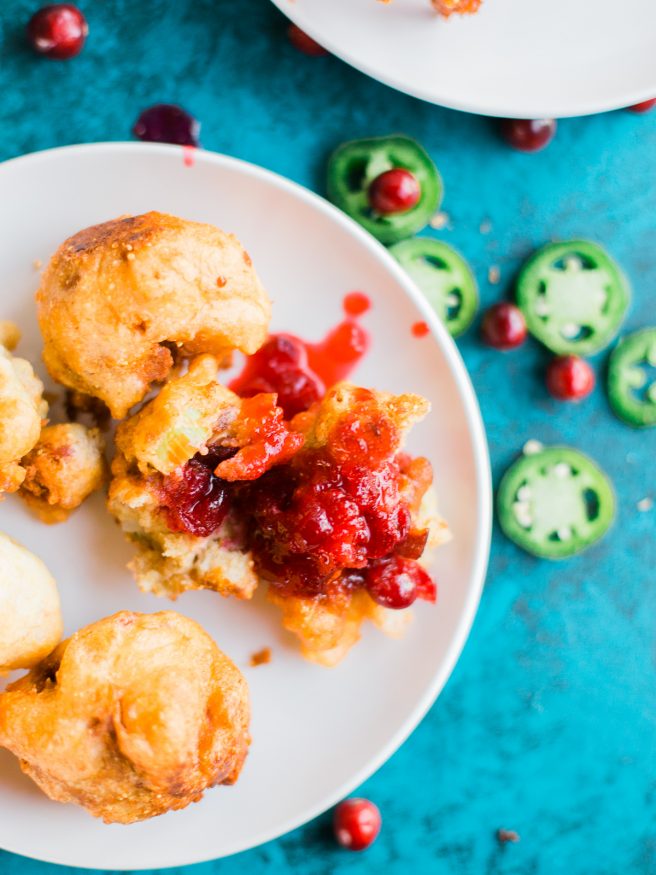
22	409
119	303
132	716
218	492
64	467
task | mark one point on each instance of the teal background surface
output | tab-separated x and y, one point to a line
548	725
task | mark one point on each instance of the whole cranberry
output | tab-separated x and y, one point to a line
528	135
167	123
356	823
393	583
57	31
394	191
304	43
504	326
570	378
645	106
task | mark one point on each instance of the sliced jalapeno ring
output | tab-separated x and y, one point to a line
555	503
354	166
632	378
444	277
573	296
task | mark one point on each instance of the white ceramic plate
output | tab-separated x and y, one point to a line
514	58
317	733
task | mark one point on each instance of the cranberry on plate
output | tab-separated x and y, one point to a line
356	823
528	135
304	43
570	378
57	31
504	326
167	123
644	106
394	191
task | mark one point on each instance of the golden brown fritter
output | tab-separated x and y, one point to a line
63	469
116	299
188	413
22	409
448	7
133	716
30	614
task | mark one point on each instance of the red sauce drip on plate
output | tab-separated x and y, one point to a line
420	329
356	303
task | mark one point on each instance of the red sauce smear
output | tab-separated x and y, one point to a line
298	371
420	329
189	155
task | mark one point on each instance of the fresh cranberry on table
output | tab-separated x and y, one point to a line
356	823
504	326
644	106
570	378
304	43
167	123
528	135
57	31
394	191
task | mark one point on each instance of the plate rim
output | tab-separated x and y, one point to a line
583	108
482	469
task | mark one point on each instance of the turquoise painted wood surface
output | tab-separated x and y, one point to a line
548	725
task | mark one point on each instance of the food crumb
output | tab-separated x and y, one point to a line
261	657
485	227
493	274
645	504
440	220
37	264
531	447
507	835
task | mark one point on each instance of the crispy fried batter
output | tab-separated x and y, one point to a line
30	615
133	716
188	413
117	297
22	410
448	7
63	469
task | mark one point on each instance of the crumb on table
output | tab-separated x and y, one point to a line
493	274
507	835
261	657
440	220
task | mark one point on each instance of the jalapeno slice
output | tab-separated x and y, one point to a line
632	378
444	277
555	503
354	166
574	297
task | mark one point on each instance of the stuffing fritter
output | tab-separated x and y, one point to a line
163	491
30	614
22	409
121	301
62	470
131	717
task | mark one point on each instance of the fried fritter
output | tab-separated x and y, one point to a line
22	409
133	716
63	469
30	615
119	300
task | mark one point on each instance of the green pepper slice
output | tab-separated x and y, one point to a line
444	277
573	296
631	388
555	503
354	166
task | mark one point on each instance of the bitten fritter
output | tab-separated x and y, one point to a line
118	301
30	614
161	490
64	468
22	409
133	716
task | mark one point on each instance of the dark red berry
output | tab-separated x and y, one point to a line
645	106
394	191
528	135
304	43
356	823
504	326
570	378
57	31
167	123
